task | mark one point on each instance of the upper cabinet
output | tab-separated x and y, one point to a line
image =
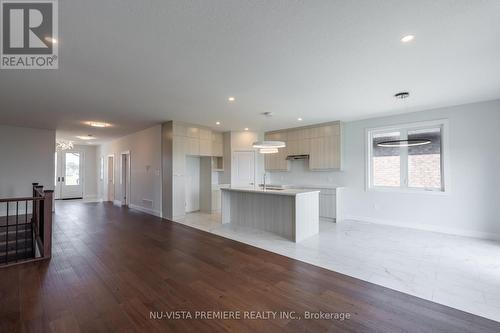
277	162
217	144
322	143
196	141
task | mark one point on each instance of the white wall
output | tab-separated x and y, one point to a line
470	208
90	168
145	169
27	155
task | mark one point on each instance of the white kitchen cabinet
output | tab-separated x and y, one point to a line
217	144
205	147
179	155
205	134
193	132
179	129
192	146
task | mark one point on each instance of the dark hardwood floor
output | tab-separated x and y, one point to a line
111	267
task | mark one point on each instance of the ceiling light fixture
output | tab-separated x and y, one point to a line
231	99
217	123
85	137
404	143
299	119
268	150
64	145
407	38
97	124
269	144
246	128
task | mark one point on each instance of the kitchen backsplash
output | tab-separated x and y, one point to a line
300	174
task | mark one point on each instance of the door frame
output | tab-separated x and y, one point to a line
125	202
108	196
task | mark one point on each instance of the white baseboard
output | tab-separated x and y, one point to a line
428	227
145	210
117	203
91	198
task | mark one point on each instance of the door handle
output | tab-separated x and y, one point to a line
58	179
62	179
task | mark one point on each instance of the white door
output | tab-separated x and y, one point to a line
111	178
192	184
69	174
244	169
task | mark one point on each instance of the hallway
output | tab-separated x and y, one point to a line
112	266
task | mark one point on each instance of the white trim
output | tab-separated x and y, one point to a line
427	227
149	211
129	183
117	203
445	160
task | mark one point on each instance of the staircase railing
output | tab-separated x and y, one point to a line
26	227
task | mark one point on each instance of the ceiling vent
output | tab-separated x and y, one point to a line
402	95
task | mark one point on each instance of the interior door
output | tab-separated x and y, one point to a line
69	181
244	169
111	178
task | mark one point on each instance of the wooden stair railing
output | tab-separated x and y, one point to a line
26	227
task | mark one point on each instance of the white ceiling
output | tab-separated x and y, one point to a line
136	63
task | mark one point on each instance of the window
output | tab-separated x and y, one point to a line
72	173
408	157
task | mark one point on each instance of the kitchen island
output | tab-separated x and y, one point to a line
290	213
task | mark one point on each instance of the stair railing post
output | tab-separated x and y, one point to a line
47	228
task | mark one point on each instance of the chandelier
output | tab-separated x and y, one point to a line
64	145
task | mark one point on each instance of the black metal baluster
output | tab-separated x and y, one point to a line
32	239
7	237
17	227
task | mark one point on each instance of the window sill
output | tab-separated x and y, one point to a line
407	191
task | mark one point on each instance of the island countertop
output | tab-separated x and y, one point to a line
288	191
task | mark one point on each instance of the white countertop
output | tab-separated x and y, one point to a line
289	191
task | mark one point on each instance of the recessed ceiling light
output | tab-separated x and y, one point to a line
97	124
299	119
85	137
217	123
407	38
231	99
51	40
246	128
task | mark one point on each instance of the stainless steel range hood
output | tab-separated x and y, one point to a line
297	157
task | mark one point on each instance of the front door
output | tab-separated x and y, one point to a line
69	175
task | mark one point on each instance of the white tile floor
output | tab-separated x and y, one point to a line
460	272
